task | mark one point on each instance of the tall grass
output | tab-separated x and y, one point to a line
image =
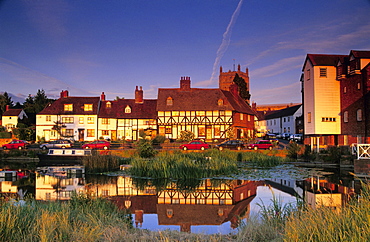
81	219
349	223
97	163
183	165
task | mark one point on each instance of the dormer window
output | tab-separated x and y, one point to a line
220	102
108	105
128	109
169	101
88	107
68	107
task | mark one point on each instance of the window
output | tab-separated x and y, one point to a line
358	85
68	107
328	119
105	132
127	109
345	90
108	105
168	130
222	113
201	131
220	102
200	113
284	120
104	121
175	113
359	115
88	107
241	116
323	72
169	101
48	118
67	132
90	120
345	116
309	117
91	133
67	120
81	120
288	119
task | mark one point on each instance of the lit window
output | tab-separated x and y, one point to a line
323	72
91	133
90	120
345	116
345	90
105	132
48	118
88	107
67	132
309	117
127	109
169	101
168	130
359	114
67	120
241	116
104	121
220	102
108	105
358	85
68	107
81	120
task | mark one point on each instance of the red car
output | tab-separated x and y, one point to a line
16	144
195	145
99	144
261	144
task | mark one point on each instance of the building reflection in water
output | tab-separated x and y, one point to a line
204	202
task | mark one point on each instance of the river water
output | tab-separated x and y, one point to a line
212	205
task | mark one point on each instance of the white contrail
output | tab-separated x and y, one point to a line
225	41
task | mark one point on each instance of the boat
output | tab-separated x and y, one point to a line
56	157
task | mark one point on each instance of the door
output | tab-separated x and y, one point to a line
81	134
208	132
113	135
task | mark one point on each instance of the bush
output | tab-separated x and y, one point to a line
145	149
5	135
293	150
186	135
159	139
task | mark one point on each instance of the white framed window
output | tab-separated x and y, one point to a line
90	120
81	120
88	107
68	107
359	114
345	116
127	109
169	101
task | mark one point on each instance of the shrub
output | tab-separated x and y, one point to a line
186	135
293	150
145	149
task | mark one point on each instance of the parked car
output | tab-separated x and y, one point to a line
272	138
98	144
296	137
195	145
16	144
56	144
285	136
261	144
231	144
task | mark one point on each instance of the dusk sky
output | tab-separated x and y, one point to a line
111	46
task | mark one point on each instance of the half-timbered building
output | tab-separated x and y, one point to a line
208	113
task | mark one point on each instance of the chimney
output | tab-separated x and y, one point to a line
234	89
64	93
185	83
7	108
139	94
102	96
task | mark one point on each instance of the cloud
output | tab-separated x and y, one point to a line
20	79
279	67
285	94
225	42
48	17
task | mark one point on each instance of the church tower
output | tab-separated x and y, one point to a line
226	79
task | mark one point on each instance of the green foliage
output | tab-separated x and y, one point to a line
242	87
5	99
186	135
35	104
24	133
293	150
145	149
5	135
159	139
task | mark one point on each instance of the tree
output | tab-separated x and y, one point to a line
5	99
242	87
37	103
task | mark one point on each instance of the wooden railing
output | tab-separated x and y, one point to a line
362	151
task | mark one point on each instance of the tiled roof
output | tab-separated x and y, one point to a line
200	99
12	112
360	54
323	60
57	108
145	110
283	112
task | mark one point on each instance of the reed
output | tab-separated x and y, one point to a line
98	163
349	223
81	219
